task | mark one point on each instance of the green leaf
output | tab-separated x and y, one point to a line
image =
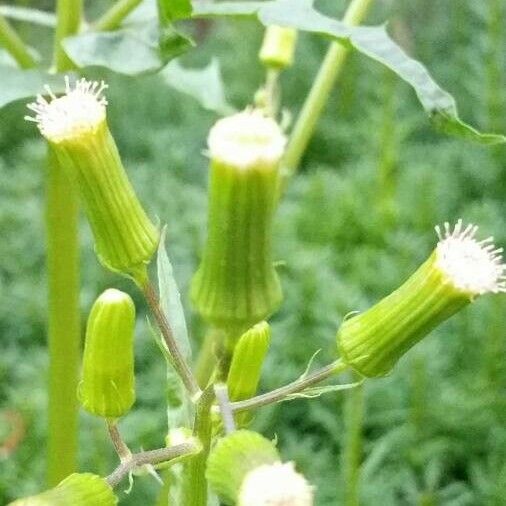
205	85
34	16
377	44
133	50
212	9
170	10
19	84
170	299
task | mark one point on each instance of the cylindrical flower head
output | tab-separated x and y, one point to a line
459	269
76	128
233	457
107	387
76	490
236	284
278	47
277	484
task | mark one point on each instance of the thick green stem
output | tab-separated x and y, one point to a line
352	454
11	41
63	322
68	14
112	18
195	483
320	91
64	336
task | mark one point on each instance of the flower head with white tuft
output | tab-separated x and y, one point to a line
247	139
79	111
275	485
472	266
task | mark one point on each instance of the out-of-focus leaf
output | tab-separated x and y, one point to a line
205	85
135	49
377	44
170	299
16	84
170	10
211	9
34	16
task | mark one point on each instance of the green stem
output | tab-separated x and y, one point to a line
112	18
62	236
68	14
195	483
298	385
12	42
320	91
352	454
206	361
63	322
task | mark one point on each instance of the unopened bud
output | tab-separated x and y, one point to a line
76	490
278	47
76	128
107	388
460	269
236	284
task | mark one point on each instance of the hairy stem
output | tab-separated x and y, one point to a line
112	18
64	336
296	386
227	415
152	457
320	91
14	45
178	360
120	446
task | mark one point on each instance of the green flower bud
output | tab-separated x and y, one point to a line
459	270
236	284
233	457
76	490
278	47
246	365
76	128
107	387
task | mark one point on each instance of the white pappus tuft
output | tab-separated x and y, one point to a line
275	485
81	109
246	139
472	266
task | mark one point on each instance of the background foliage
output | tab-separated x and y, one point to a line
354	224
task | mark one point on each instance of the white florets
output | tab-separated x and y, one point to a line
275	485
246	139
81	109
475	267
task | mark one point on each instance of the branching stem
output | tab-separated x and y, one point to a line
296	386
152	457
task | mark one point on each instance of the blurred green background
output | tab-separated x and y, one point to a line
355	222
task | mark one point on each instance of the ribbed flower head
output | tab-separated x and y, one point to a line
236	284
107	388
277	484
76	490
81	144
460	269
